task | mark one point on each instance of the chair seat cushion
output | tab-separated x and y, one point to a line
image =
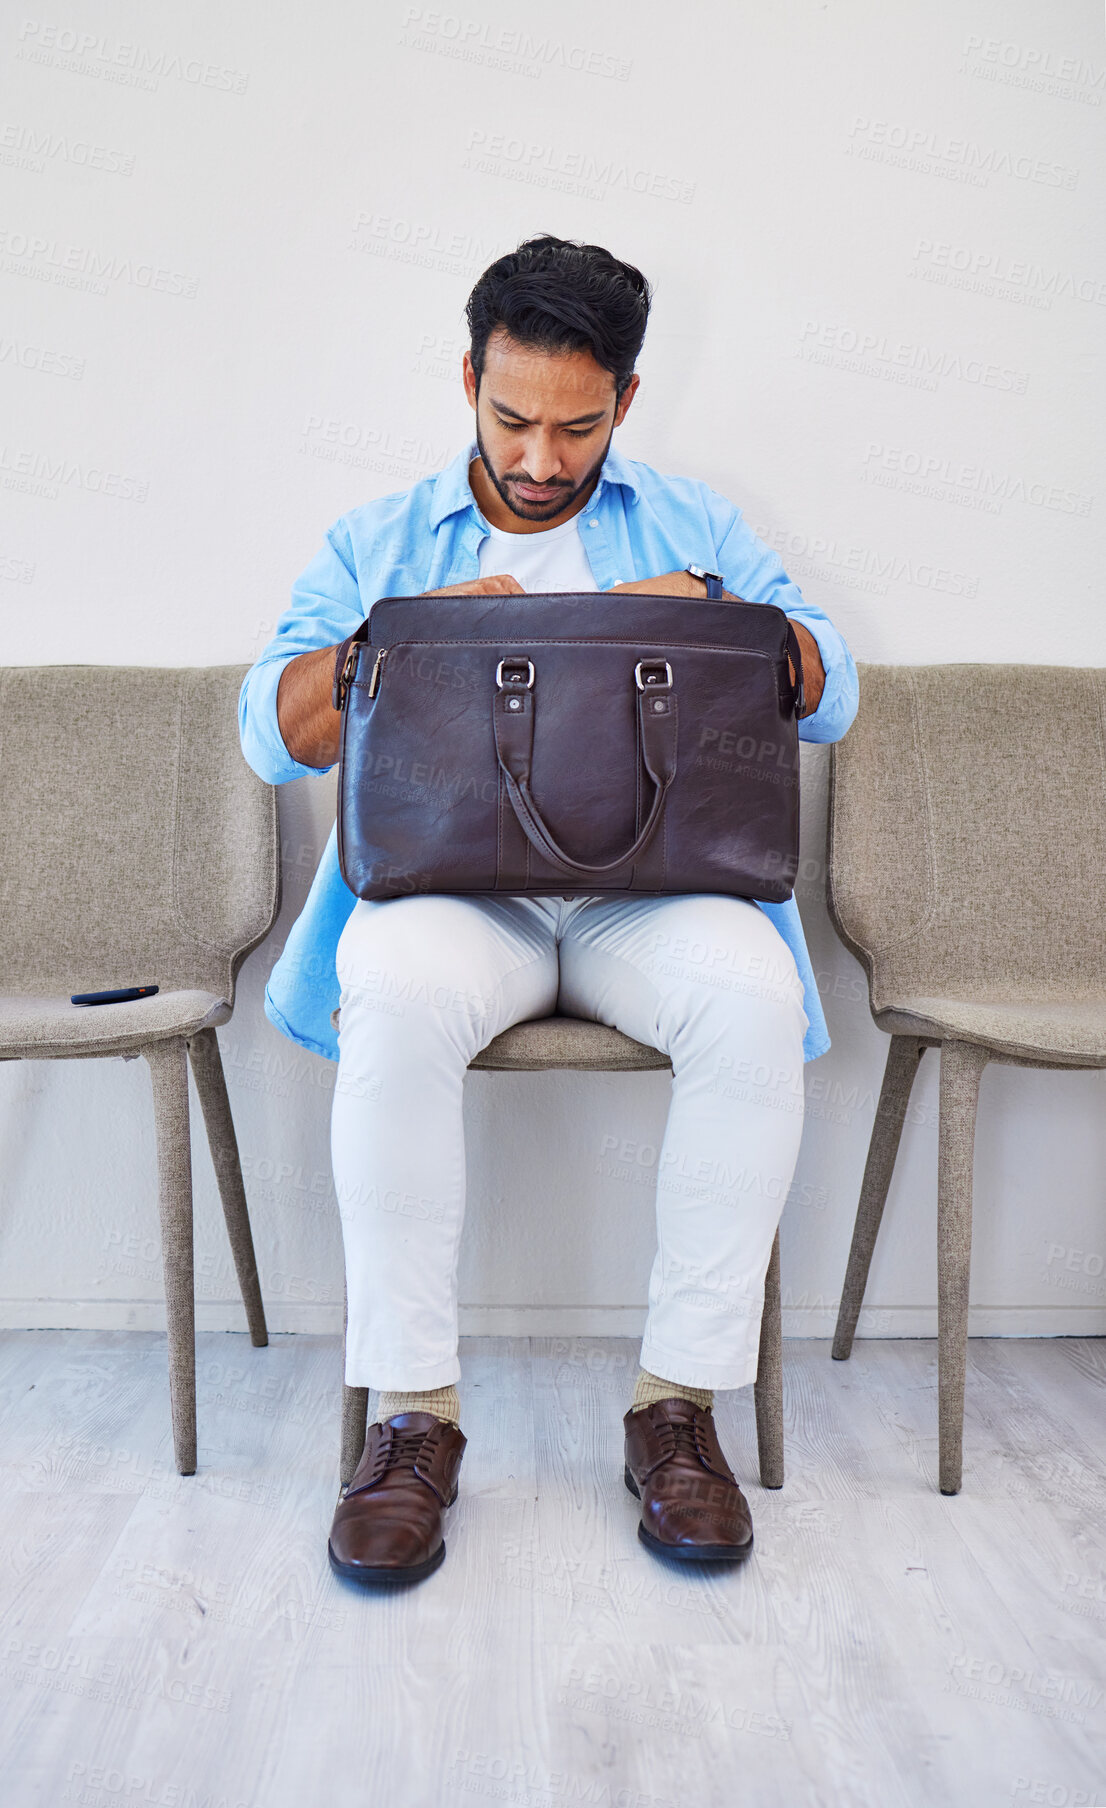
547	1042
568	1042
44	1027
1065	1030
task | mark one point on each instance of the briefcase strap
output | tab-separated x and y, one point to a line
513	723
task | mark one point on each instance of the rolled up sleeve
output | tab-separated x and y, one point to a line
754	572
325	607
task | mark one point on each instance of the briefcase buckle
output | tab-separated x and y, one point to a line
643	677
501	680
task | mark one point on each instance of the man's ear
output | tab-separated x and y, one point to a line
628	395
468	376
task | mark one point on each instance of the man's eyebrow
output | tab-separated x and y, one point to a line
578	420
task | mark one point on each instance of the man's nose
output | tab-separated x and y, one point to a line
540	459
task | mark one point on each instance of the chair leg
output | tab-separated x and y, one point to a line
903	1057
962	1065
207	1067
169	1077
355	1419
768	1388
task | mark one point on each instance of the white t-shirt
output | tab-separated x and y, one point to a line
551	560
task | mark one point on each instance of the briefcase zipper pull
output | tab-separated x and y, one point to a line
378	667
345	678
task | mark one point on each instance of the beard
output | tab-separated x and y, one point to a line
567	493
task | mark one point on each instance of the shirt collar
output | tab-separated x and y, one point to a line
452	492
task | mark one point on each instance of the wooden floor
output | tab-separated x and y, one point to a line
181	1642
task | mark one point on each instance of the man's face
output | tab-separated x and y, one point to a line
543	424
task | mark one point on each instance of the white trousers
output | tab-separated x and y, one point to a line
428	981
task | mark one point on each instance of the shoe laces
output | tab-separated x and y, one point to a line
404	1447
681	1437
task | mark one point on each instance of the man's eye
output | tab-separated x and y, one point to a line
518	426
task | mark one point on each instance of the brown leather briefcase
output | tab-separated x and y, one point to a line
565	744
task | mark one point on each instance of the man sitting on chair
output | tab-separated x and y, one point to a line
541	502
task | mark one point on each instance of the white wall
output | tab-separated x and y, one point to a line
237	246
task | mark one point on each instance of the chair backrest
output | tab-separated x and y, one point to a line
967	836
136	845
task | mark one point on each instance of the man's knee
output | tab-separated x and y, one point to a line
759	1076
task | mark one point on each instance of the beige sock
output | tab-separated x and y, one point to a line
651	1388
441	1401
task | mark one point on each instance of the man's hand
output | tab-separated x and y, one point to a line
502	584
681	583
673	583
310	726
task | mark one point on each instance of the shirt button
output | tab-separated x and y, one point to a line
593	523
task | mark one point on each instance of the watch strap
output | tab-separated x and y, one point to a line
712	580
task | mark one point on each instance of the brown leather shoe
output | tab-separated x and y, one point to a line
691	1505
388	1521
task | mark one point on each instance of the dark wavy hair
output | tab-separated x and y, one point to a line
557	295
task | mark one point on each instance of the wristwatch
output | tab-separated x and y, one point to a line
712	579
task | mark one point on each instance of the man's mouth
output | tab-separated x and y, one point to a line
532	492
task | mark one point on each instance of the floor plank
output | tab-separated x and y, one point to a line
183	1639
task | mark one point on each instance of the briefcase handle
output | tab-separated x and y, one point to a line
513	722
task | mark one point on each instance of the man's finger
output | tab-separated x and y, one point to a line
499	584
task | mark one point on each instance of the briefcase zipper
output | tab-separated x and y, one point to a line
382	654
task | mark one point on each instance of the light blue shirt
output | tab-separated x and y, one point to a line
636	524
